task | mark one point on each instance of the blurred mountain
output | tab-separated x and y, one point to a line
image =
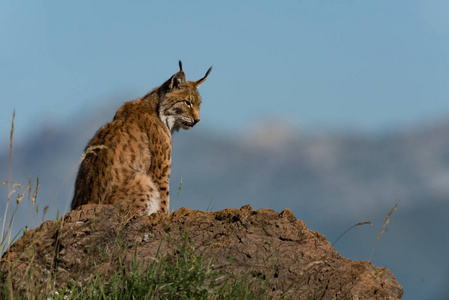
330	180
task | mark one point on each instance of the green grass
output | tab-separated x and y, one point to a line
183	276
180	277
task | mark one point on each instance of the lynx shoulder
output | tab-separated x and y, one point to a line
127	162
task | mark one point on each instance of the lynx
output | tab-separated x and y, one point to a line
127	162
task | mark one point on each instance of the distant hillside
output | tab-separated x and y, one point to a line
332	181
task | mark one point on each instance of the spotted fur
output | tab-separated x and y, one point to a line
127	163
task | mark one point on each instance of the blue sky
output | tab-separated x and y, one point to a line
369	65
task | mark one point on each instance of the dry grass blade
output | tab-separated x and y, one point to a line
35	191
179	189
20	196
7	233
384	229
9	179
46	208
355	225
29	191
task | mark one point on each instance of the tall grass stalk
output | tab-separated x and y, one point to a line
383	229
355	225
33	199
6	214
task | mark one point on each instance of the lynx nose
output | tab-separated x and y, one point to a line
195	121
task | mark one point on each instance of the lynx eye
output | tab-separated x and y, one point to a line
188	103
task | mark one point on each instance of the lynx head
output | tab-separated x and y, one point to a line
179	105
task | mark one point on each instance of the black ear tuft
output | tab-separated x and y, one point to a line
208	71
200	81
180	65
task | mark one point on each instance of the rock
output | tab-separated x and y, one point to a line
95	239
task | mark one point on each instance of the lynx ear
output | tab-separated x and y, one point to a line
177	80
174	82
200	81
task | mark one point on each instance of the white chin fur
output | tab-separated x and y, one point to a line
169	121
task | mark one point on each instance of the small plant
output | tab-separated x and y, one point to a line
184	275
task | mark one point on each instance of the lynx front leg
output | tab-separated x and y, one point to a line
164	192
160	171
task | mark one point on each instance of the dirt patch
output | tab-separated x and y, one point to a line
276	247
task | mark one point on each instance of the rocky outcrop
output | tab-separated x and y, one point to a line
296	262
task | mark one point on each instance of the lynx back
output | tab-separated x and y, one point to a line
127	162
